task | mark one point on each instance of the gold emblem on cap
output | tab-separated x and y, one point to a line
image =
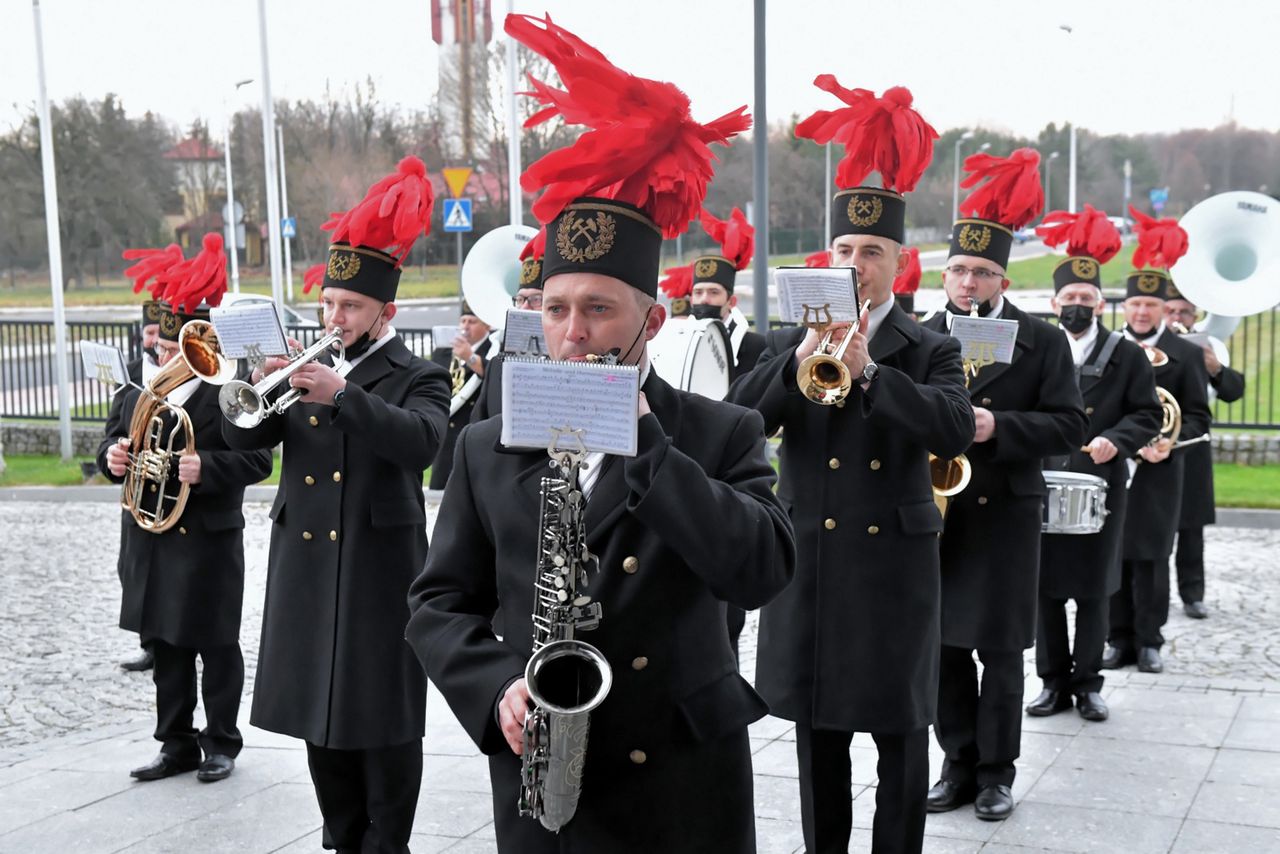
1084	268
1148	283
974	238
705	268
865	211
679	307
530	272
343	266
169	324
1171	292
580	239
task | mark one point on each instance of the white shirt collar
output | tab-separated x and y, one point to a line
1081	347
180	395
876	316
373	348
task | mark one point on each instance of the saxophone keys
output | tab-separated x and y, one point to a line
562	596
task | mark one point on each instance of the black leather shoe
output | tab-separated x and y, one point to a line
994	803
1092	707
215	767
163	766
1195	610
1115	658
1149	660
1049	703
146	661
946	795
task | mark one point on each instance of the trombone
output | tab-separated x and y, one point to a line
245	405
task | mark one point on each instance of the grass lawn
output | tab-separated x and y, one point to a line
1246	486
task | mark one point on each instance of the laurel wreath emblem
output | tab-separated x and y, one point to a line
705	268
599	233
864	211
1084	268
974	238
343	266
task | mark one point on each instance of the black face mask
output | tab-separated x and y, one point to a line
153	353
1076	318
364	342
706	311
984	308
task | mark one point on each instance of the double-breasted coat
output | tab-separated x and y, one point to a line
1197	496
852	644
186	586
1155	494
688	524
991	542
348	537
1121	406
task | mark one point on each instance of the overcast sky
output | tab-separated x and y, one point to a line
1128	66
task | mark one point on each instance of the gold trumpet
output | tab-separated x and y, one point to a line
823	377
949	478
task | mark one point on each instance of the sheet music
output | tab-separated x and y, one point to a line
833	287
985	340
539	396
104	363
522	334
244	328
442	337
1200	339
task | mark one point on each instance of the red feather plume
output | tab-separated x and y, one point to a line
678	282
152	264
1087	233
908	281
1012	194
642	145
735	235
536	247
884	135
394	213
314	276
1161	242
818	259
202	278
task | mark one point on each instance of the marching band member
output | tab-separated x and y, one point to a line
1197	491
1025	411
1140	608
1119	392
184	587
906	283
349	533
667	765
528	298
465	359
852	645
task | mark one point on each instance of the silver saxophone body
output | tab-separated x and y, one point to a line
566	677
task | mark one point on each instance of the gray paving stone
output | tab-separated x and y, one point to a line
941	845
778	836
1042	748
777	798
472	846
959	824
1161	729
1249	767
1087	831
51	792
1254	735
1198	704
452	813
1204	837
1237	803
770	728
1105	790
1137	757
1260	709
268	820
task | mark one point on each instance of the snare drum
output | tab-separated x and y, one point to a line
693	355
1074	503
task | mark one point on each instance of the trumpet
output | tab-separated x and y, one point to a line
245	405
823	377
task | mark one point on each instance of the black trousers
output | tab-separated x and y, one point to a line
736	618
826	806
1189	560
367	797
1075	669
1140	608
175	679
979	726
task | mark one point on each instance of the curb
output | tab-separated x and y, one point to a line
107	493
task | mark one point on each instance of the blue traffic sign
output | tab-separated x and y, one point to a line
289	227
1159	196
457	214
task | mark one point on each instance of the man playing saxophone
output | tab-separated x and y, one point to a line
667	763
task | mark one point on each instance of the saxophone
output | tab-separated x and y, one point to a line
566	677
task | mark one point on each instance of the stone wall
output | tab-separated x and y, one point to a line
27	439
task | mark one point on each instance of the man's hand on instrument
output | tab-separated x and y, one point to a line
1102	450
856	357
274	363
984	422
812	338
462	349
1159	452
643	407
318	382
118	457
512	709
1211	362
189	469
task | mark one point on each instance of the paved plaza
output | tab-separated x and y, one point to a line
1189	762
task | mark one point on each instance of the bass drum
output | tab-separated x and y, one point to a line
1074	503
693	355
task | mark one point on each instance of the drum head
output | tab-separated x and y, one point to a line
1072	478
693	355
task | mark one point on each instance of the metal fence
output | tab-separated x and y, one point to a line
29	385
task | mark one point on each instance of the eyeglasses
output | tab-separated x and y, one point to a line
979	273
531	302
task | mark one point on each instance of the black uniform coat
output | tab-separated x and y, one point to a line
444	457
115	428
853	644
1155	495
1121	406
749	352
991	544
1197	496
186	586
488	399
662	583
349	536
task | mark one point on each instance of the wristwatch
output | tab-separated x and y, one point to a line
870	372
337	398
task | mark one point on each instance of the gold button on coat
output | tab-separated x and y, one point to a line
310	481
830	524
630	565
638	757
986	401
639	663
875	465
182	530
306	535
982	499
337	477
833	463
333	535
313	421
1088	410
873	529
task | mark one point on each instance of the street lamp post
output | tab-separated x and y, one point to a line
284	214
269	159
955	184
1048	170
230	218
1071	155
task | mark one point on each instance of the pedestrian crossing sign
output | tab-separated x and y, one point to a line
457	214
